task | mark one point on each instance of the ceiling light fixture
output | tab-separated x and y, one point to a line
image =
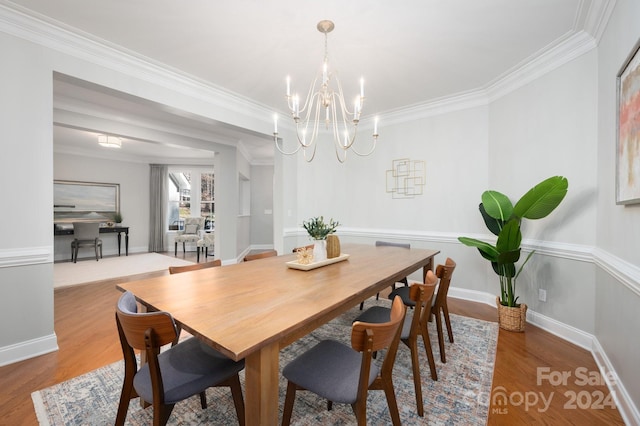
109	141
336	116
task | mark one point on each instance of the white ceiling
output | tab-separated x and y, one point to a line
410	53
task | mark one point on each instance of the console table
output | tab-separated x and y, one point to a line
103	230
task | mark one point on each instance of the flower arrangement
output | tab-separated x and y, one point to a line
318	229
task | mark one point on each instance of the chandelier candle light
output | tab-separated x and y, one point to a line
336	116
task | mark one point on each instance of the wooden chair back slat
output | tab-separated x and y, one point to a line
383	333
261	255
444	272
134	327
194	267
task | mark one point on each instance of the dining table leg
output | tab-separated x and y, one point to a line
427	267
261	386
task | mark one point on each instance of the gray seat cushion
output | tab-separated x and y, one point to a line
331	370
380	314
187	369
403	292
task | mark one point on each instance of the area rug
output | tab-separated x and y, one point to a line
83	271
459	396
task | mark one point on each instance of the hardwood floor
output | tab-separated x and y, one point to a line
528	366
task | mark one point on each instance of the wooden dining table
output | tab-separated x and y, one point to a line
251	310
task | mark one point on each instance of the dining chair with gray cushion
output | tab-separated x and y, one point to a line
343	374
190	233
403	280
86	234
439	308
415	324
172	375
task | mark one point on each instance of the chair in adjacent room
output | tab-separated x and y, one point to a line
205	243
170	376
439	304
194	267
260	255
344	374
190	234
86	234
415	324
403	280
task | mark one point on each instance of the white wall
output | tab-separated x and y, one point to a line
261	205
539	131
617	323
26	168
26	107
133	179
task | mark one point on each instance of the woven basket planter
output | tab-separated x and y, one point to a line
512	318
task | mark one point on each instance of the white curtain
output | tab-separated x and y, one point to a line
158	207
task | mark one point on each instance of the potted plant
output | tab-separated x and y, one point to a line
117	217
318	230
503	219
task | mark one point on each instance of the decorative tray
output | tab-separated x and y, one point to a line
313	265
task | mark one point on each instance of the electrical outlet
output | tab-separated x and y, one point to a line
542	295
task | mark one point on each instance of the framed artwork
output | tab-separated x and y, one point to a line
406	178
628	130
90	201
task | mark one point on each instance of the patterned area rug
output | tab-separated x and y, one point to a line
460	395
83	271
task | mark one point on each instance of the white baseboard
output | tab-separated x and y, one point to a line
624	403
28	349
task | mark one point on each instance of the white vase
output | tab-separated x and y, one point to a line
319	250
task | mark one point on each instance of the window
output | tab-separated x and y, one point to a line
191	190
207	202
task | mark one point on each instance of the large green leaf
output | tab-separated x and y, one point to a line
504	269
487	251
510	237
494	225
497	205
509	257
542	199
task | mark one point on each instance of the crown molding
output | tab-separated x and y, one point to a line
42	30
597	16
116	155
546	60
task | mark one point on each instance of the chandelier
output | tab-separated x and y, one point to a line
326	106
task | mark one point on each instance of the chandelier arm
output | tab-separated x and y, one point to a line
275	137
311	94
344	151
344	104
373	147
304	151
337	139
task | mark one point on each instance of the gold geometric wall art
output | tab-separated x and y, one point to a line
406	179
